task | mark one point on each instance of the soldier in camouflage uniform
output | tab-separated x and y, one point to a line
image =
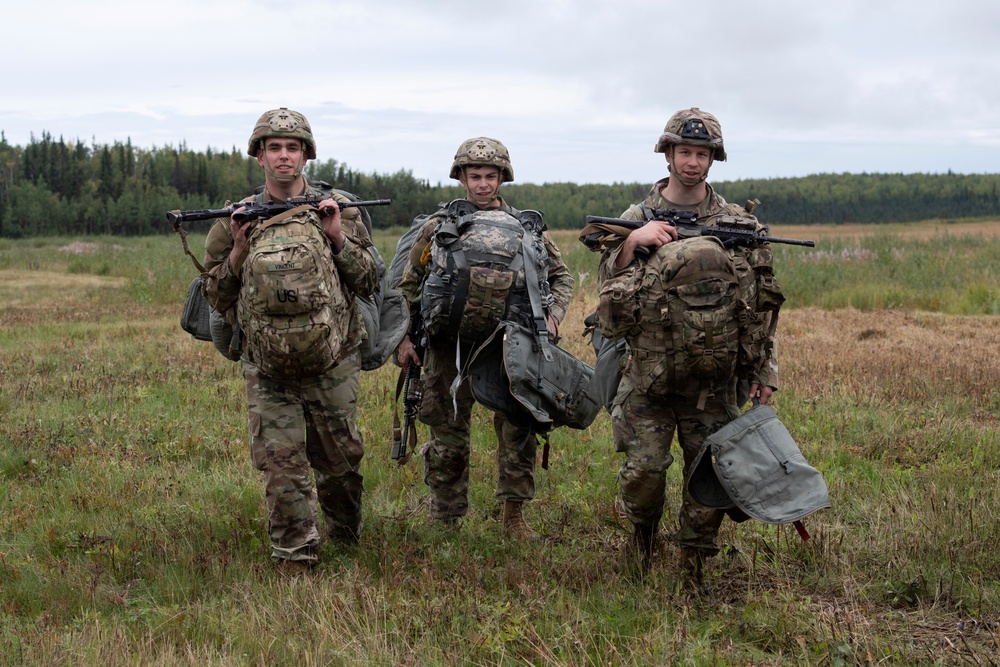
482	165
644	422
308	425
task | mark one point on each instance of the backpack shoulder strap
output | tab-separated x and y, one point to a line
534	287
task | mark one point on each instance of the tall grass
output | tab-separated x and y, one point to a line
132	527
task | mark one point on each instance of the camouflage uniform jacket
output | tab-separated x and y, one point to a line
712	204
355	266
414	273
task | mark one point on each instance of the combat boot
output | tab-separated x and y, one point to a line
447	522
292	569
347	535
639	549
692	562
513	521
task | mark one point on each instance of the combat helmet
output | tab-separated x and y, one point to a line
482	151
282	122
693	126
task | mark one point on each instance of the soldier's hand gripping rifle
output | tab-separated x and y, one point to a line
404	435
599	228
255	211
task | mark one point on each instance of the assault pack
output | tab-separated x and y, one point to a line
697	311
383	313
486	286
291	297
476	270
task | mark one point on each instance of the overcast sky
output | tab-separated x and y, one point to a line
577	90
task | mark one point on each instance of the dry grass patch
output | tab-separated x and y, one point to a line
910	231
893	355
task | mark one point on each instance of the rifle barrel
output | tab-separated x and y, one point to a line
802	242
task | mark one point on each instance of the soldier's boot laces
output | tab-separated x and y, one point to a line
639	548
513	521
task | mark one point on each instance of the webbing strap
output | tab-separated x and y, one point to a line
460	268
183	234
533	285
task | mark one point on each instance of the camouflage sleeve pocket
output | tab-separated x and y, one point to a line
769	293
618	308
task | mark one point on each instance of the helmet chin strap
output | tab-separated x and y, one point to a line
285	178
482	201
687	181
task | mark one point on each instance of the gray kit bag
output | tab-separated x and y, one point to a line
532	380
609	354
753	464
195	313
522	373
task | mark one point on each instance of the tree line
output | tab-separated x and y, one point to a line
57	187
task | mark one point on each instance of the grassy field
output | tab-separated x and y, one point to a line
132	527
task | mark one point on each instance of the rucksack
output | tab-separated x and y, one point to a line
476	274
292	301
680	314
760	298
383	313
760	294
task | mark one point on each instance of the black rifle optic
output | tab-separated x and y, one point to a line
687	225
254	211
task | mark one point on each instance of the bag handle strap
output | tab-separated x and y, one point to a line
533	283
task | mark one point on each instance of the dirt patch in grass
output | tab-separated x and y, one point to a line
85	248
20	288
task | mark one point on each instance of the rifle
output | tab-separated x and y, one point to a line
254	211
687	225
412	390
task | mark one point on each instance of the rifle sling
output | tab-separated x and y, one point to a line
183	234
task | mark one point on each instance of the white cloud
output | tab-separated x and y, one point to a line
578	90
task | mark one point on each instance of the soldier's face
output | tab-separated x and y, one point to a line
481	183
283	157
690	163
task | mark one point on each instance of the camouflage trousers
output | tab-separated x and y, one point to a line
300	429
446	454
644	428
